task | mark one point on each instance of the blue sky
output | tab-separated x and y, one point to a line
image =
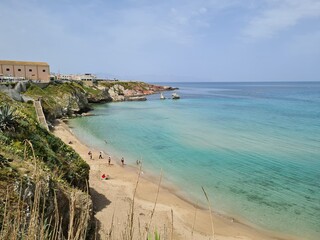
190	40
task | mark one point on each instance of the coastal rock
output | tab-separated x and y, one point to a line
14	95
116	92
60	99
75	102
99	97
12	91
67	105
142	98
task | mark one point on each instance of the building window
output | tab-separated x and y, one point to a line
8	69
19	70
43	70
30	70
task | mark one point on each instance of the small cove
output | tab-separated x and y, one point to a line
253	146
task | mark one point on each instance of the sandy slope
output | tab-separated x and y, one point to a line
112	200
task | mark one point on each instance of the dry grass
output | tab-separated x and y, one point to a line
132	228
171	224
22	224
210	211
23	220
194	219
147	233
155	202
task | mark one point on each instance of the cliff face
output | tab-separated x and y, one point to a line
117	93
43	182
131	91
67	99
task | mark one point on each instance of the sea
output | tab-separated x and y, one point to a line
254	147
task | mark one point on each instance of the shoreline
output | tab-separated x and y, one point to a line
118	197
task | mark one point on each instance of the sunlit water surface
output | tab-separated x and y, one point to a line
255	147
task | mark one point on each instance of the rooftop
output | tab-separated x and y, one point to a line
9	62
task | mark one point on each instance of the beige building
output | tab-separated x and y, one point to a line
25	70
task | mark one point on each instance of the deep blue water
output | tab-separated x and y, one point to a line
255	147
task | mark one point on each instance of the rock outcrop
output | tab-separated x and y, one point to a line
117	92
132	91
141	98
60	99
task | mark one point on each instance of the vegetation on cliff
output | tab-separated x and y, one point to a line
60	99
127	85
39	176
68	98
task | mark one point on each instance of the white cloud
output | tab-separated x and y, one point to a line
188	15
280	15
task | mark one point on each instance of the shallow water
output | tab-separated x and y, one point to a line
255	147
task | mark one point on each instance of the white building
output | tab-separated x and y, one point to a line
77	77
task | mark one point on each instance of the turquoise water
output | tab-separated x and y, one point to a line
255	147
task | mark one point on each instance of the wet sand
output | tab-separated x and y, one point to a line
112	199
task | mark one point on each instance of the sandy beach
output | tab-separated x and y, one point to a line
112	199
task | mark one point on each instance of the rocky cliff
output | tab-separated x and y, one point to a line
131	91
60	99
72	98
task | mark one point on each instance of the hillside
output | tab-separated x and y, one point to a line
39	179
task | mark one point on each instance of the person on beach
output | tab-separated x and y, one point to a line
100	155
104	177
90	154
109	160
122	161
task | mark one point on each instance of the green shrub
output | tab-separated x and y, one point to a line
7	117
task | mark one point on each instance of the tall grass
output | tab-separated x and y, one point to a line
210	211
132	228
27	218
155	202
127	230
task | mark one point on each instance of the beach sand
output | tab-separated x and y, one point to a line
112	199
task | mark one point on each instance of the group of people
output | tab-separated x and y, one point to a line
101	157
106	176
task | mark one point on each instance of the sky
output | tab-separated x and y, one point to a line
167	40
